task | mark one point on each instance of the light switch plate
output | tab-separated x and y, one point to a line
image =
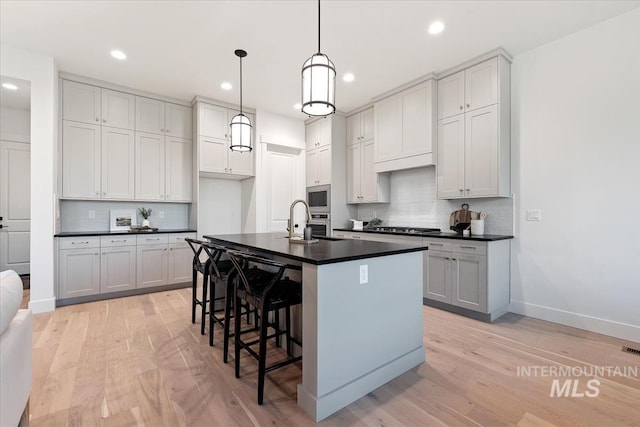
534	215
364	274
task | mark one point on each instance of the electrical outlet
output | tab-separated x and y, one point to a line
161	214
92	214
364	274
534	215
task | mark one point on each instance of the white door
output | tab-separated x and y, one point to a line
284	185
481	152
118	109
178	121
149	166
81	160
178	169
149	115
354	173
15	203
118	163
118	269
450	167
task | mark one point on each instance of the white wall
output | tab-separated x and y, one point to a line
220	206
15	124
576	152
414	203
42	72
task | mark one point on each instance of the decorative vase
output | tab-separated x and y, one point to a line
145	223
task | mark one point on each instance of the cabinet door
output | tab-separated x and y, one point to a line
469	281
149	115
178	170
313	163
481	85
388	129
180	259
437	270
369	180
118	163
178	121
451	95
354	132
80	160
324	165
417	120
311	135
324	131
450	167
151	266
354	173
241	163
117	269
213	154
80	102
212	121
481	152
149	166
79	272
118	109
366	124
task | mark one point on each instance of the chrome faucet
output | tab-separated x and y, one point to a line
290	221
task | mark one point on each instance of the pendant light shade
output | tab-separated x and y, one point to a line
240	124
318	83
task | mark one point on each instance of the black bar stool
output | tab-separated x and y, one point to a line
203	268
219	272
266	291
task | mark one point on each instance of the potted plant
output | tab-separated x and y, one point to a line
145	213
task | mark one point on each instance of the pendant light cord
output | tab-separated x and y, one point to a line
318	26
241	85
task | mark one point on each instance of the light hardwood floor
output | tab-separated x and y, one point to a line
139	361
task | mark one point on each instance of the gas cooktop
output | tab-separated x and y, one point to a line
405	230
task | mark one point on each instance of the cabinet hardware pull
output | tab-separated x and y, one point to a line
436	244
104	120
453	259
468	105
468	189
104	253
161	130
97	119
164	249
115	241
96	253
151	240
447	258
461	190
168	130
468	247
461	107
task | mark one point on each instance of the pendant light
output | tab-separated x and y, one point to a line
240	124
318	83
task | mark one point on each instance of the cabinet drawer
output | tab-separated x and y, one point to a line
156	239
108	241
474	248
79	242
437	244
342	234
179	237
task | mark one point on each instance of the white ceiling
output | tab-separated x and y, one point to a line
185	48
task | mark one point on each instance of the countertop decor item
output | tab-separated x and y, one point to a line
374	222
145	213
318	83
122	219
240	124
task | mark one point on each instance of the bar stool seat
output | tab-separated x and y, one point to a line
265	289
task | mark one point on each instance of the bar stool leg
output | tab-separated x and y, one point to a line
205	285
276	318
212	293
236	333
288	331
264	326
194	294
228	299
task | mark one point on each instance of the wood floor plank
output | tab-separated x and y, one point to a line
139	361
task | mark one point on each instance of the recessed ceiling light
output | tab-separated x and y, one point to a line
348	77
297	106
118	54
9	86
226	85
436	27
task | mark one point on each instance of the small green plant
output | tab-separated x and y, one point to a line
145	213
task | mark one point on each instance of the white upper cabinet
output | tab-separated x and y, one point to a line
81	102
364	185
474	132
467	90
80	160
118	109
214	138
150	166
360	127
118	163
165	118
404	130
178	159
319	166
318	133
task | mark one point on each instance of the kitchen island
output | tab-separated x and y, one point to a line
361	313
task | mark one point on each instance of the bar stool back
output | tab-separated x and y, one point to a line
265	289
203	268
220	270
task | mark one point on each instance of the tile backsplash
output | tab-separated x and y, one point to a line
74	214
414	203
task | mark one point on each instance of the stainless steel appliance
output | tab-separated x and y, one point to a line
320	224
319	198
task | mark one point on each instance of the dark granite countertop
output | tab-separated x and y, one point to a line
116	233
436	234
323	252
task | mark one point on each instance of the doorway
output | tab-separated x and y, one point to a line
285	183
15	175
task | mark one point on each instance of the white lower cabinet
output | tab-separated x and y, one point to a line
179	263
117	269
79	272
152	266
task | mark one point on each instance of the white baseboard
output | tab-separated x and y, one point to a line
576	320
42	305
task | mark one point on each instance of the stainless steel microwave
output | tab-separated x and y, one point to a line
319	198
